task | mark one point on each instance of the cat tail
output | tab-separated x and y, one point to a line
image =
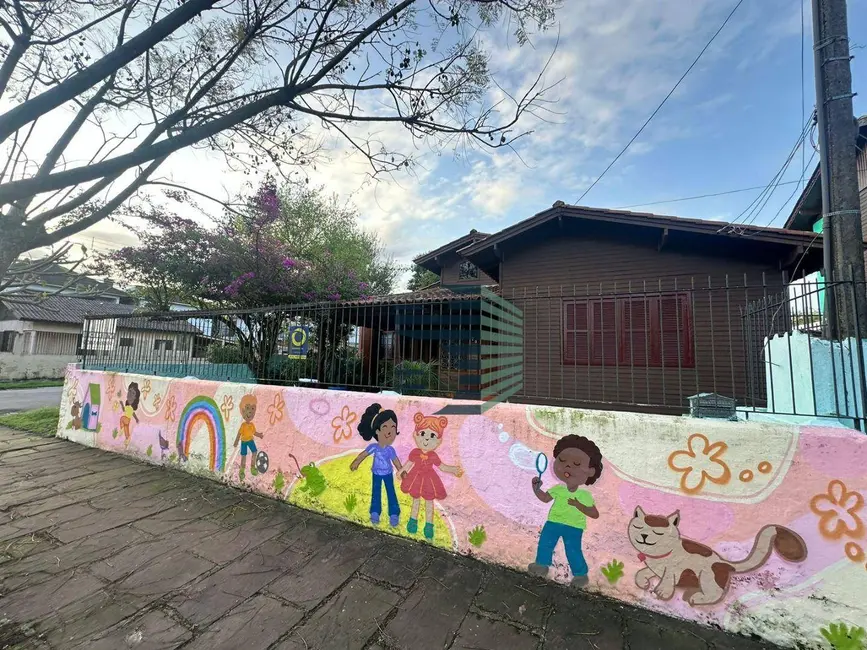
786	542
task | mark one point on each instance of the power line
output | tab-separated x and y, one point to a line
758	204
700	196
662	103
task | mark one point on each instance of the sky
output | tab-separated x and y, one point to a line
730	125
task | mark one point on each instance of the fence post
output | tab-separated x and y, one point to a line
859	338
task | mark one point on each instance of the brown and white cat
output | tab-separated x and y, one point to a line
699	570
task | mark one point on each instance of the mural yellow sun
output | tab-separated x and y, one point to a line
347	495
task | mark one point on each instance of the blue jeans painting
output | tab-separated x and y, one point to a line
553	532
376	498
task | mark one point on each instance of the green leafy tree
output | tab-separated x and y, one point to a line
247	79
421	278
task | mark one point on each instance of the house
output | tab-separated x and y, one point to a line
624	309
52	279
39	338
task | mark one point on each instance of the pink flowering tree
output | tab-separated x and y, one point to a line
250	260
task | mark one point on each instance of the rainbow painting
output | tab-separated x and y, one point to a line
203	410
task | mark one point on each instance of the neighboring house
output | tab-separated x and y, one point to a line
806	215
55	279
39	338
626	309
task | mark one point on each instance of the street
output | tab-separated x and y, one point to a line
29	398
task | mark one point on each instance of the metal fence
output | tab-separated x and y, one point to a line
464	344
646	346
651	346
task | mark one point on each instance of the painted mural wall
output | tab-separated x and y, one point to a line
756	528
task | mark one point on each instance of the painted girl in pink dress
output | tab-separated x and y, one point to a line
420	478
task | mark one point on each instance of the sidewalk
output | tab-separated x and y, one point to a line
100	552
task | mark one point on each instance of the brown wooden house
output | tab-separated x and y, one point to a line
631	310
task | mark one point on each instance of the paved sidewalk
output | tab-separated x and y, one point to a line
100	552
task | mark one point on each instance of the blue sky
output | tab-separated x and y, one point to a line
729	126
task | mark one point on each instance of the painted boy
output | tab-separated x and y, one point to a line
246	434
577	462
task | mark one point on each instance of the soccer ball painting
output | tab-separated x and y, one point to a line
261	462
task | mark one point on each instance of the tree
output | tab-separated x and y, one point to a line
127	83
421	278
261	255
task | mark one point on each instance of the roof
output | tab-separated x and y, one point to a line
72	311
485	253
422	296
706	226
428	260
55	275
809	204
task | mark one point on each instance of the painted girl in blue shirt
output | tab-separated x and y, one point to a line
380	426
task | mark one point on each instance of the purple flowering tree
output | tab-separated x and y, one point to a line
250	260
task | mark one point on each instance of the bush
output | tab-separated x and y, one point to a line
225	354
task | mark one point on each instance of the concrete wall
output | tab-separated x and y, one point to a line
33	366
806	375
756	528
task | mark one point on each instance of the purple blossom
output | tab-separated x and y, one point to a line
267	202
333	296
234	287
363	286
289	263
351	274
308	295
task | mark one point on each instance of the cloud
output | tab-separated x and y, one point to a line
613	63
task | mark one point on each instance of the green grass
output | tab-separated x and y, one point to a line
30	383
42	421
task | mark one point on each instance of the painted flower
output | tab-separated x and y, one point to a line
146	388
72	393
838	510
158	400
701	461
342	424
171	408
227	406
275	410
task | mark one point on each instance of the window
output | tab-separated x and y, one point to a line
642	331
7	341
468	271
164	344
124	343
386	346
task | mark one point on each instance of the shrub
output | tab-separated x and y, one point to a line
225	354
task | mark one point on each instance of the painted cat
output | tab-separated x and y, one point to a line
699	570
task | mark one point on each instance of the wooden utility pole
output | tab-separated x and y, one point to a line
846	309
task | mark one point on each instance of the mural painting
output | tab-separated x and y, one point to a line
756	528
577	462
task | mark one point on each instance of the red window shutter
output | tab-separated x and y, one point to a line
604	335
636	340
576	344
675	332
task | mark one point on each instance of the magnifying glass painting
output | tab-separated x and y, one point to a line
541	464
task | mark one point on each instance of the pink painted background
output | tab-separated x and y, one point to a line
817	491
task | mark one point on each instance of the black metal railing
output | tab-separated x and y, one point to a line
647	346
461	344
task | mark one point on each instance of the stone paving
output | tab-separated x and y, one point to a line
101	552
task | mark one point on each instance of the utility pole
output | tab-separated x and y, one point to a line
843	239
